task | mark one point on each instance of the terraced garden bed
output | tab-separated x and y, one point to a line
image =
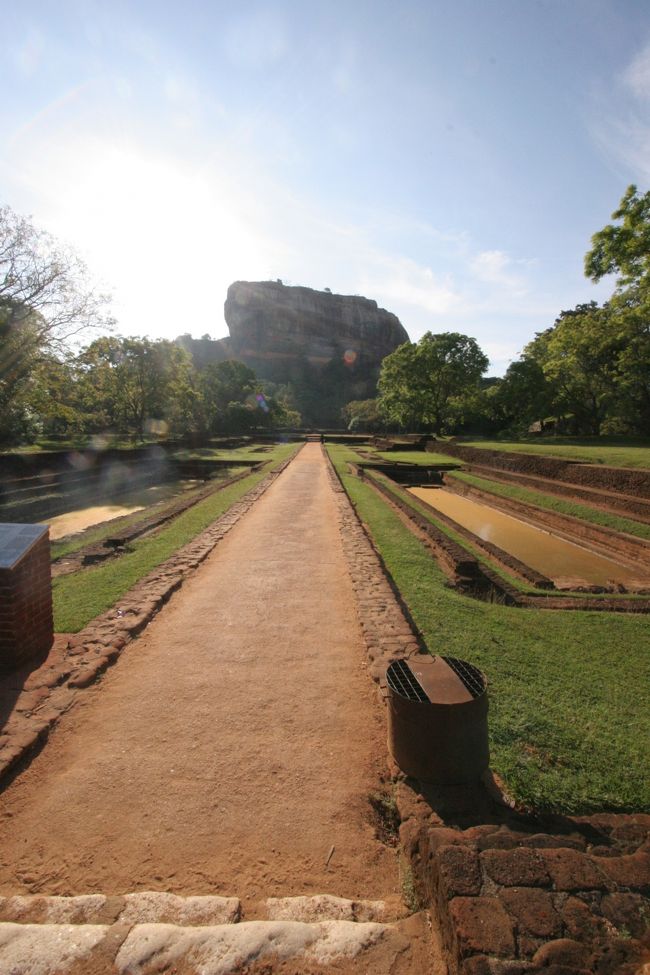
569	713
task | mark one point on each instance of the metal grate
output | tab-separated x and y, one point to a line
402	681
470	676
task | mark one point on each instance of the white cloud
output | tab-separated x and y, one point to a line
637	74
399	280
620	125
497	268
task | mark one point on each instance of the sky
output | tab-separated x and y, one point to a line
449	158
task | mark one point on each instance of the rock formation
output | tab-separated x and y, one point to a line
328	347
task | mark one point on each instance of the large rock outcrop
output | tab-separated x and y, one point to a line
328	347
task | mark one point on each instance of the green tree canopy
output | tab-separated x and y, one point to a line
45	300
422	385
364	415
623	248
578	357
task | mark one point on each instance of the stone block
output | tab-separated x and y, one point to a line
482	926
532	910
459	871
628	913
565	952
570	870
581	923
631	871
520	867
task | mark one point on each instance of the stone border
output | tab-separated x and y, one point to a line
388	631
51	690
514	893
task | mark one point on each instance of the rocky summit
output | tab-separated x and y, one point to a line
328	347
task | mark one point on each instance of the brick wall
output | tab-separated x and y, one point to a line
26	624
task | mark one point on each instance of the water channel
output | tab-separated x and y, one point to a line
71	522
554	557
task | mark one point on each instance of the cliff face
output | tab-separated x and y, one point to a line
276	325
329	347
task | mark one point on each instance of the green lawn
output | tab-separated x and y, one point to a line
611	451
251	452
569	709
417	457
81	596
551	503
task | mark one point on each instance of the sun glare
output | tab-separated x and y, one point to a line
163	233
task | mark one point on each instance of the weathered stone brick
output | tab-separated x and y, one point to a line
564	951
482	926
515	868
549	841
570	870
532	910
442	836
581	923
627	912
631	871
621	957
459	871
483	965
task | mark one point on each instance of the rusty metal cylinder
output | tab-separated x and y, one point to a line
437	719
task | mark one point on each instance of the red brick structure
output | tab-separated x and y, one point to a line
26	624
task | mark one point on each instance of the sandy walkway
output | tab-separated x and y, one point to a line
233	745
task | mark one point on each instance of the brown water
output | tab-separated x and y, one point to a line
552	556
75	521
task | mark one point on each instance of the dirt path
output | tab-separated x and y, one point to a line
235	743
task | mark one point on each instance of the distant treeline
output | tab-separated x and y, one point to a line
589	373
136	387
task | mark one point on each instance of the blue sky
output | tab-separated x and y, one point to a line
449	159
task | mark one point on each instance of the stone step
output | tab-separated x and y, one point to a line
148	932
221	949
158	907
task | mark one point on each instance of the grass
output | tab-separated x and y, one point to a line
569	710
549	502
81	596
223	453
417	457
613	451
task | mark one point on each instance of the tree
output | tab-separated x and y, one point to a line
579	359
421	385
623	249
45	299
43	282
363	415
524	395
130	383
222	384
